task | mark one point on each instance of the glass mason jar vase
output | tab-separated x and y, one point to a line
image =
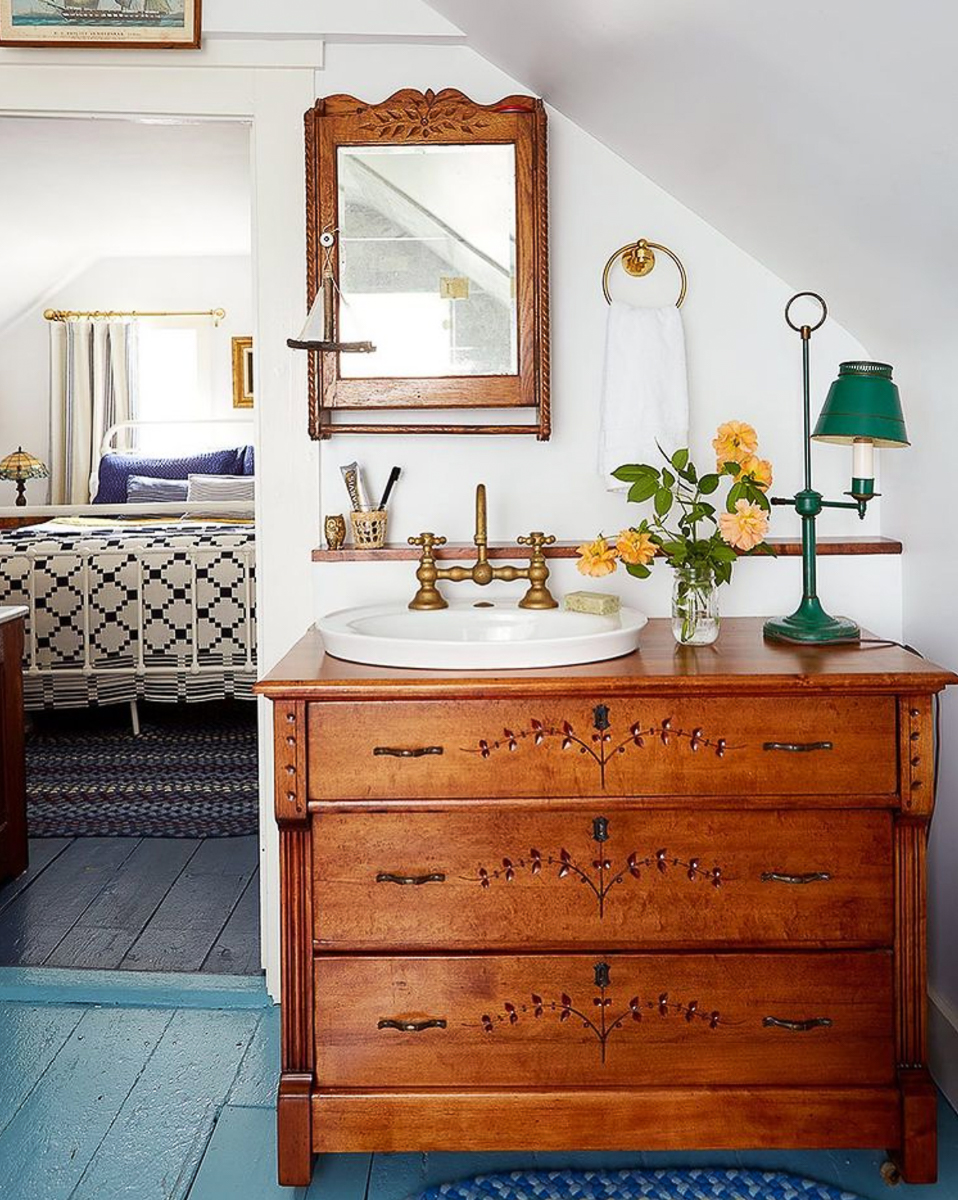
695	615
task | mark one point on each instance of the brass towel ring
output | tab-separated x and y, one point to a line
638	258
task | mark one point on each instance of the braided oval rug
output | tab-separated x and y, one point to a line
637	1185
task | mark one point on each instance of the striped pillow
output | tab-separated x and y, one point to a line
144	489
222	487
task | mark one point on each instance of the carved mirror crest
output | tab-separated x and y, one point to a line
430	213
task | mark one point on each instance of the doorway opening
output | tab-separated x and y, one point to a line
123	295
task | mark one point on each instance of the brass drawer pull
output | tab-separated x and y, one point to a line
798	1026
410	880
811	877
403	752
798	747
412	1026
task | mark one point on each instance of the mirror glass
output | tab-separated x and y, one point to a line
427	246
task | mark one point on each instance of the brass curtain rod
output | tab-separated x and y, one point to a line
58	314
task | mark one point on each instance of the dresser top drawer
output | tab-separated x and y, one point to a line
567	746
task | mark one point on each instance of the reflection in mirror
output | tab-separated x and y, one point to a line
427	244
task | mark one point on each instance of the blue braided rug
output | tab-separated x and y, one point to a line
637	1185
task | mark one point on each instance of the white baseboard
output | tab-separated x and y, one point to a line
943	1046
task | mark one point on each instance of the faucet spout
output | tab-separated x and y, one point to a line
482	571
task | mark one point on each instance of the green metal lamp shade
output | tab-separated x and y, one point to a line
863	402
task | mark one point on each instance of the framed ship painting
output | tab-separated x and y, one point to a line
148	24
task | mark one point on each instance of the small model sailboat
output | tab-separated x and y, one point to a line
136	12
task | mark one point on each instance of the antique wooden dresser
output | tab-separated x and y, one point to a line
674	900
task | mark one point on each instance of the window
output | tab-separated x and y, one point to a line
174	386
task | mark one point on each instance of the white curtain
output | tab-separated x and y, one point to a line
92	386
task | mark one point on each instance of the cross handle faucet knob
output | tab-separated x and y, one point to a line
537	539
427	541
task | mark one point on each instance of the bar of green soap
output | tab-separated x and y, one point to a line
597	603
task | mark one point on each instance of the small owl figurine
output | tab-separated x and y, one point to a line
335	529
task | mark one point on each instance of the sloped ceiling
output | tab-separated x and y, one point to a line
77	191
820	137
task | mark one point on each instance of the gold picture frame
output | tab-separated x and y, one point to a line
243	372
125	24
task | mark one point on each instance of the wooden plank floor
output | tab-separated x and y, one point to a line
162	1103
150	904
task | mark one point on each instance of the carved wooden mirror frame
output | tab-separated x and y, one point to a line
425	118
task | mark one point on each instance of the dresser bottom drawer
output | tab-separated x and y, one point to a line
620	1020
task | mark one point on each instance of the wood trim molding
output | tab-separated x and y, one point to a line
399	552
666	1118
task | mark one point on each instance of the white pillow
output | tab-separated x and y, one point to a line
222	487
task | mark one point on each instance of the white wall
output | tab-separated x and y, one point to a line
743	363
146	284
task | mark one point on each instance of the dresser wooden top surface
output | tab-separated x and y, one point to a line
740	661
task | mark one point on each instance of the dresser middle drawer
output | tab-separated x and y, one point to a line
513	878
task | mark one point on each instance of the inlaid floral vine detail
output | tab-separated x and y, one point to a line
410	115
605	876
599	1021
600	745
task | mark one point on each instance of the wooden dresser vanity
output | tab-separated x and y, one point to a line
670	901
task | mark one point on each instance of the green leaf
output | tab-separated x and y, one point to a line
732	468
679	459
723	553
668	479
633	471
708	484
643	489
690	473
735	493
638	570
663	501
764	548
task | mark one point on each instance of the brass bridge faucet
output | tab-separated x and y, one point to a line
482	572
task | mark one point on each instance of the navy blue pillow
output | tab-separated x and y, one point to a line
115	470
249	464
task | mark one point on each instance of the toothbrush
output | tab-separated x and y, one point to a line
393	476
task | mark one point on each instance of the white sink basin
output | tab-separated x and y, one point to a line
466	636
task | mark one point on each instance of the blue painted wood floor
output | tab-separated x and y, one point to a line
167	1092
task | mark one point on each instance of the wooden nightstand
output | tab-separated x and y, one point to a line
8	522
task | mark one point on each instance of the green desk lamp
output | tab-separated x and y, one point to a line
862	410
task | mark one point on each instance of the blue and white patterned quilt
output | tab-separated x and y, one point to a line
124	610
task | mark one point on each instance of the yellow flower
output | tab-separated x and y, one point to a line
734	442
637	548
597	558
759	470
746	527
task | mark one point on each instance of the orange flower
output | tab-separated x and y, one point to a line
597	558
734	442
746	527
759	470
636	548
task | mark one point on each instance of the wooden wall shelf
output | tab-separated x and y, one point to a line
401	552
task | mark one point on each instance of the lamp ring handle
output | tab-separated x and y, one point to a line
799	296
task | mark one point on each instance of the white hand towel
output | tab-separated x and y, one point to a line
645	394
